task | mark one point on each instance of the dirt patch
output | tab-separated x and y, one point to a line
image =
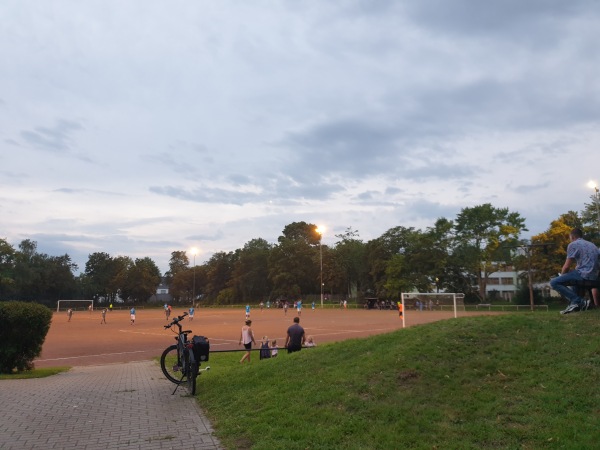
85	341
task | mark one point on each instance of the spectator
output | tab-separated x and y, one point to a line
585	255
274	348
295	337
310	342
265	351
247	339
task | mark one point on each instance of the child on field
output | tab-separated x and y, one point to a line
264	348
310	342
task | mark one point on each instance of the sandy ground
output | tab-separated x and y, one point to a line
85	341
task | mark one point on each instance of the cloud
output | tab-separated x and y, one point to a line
55	139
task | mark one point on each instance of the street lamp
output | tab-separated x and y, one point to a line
321	229
592	185
194	252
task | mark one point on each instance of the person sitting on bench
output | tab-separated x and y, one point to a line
585	255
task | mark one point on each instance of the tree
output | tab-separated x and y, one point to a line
251	270
179	262
590	218
550	248
392	247
100	272
294	263
141	280
482	234
7	266
345	263
218	273
40	277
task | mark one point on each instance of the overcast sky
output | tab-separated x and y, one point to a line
143	127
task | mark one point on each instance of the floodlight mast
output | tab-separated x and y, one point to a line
194	252
320	230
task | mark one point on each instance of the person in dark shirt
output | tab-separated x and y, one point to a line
295	337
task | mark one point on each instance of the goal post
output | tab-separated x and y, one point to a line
432	301
63	305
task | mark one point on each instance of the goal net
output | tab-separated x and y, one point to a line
432	301
75	305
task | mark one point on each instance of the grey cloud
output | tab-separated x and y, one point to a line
207	195
88	191
55	139
278	189
533	20
527	189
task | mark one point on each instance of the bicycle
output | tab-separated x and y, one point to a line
180	362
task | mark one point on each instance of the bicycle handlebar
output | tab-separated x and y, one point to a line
176	321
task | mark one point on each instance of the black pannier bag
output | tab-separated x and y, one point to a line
201	348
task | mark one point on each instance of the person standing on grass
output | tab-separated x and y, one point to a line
584	255
103	316
247	339
132	315
295	337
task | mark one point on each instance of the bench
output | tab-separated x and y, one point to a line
584	286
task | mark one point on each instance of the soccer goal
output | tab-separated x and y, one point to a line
433	301
82	305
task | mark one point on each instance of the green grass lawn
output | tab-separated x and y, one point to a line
526	380
35	373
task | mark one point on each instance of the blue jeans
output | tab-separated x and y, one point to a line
569	292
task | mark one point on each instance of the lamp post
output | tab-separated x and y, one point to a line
594	186
320	230
194	252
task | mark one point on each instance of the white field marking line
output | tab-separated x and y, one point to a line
144	333
94	356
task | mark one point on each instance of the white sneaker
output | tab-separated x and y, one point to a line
573	307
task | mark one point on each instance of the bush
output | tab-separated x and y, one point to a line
23	329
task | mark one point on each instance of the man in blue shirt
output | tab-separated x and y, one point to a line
585	255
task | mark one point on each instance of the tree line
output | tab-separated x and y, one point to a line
451	255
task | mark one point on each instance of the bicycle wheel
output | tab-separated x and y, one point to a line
171	365
191	372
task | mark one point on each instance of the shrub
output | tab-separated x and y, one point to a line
23	329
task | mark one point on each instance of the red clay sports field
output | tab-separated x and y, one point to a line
84	341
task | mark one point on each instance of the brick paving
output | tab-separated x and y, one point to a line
117	406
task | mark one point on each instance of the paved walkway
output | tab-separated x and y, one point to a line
118	406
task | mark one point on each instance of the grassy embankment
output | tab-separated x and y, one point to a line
527	380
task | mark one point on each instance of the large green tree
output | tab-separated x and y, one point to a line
294	267
250	271
483	235
7	267
345	265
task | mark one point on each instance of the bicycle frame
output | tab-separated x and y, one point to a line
185	363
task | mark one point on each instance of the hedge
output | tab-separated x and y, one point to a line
23	329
